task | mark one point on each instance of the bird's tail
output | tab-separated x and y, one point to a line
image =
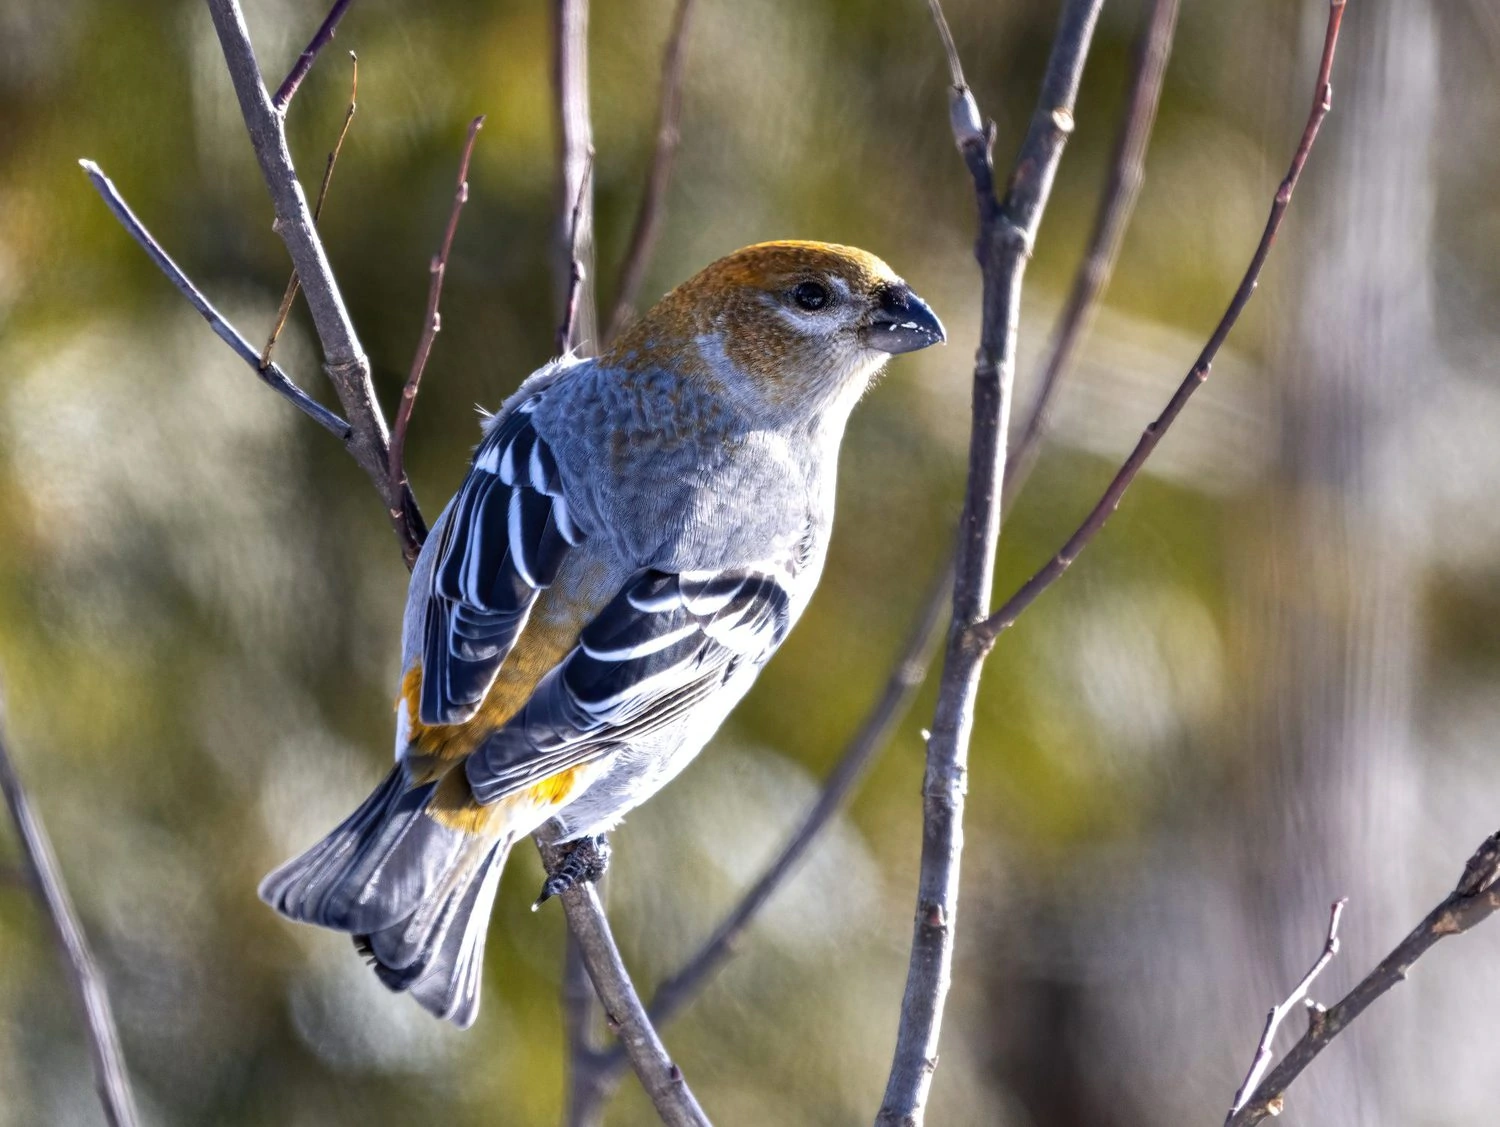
414	892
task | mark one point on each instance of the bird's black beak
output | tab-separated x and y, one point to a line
903	322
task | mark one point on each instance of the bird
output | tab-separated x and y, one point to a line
636	535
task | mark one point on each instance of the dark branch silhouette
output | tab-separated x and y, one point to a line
321	38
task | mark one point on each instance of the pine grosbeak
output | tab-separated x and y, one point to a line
635	537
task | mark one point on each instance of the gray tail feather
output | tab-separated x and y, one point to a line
416	894
437	953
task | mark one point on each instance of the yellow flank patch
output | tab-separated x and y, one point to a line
437	751
453	803
550	633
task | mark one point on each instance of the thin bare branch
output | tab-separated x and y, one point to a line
271	375
624	1013
293	286
110	1077
955	63
1007	232
574	241
1475	898
1279	1013
321	38
1116	206
590	1076
397	484
577	273
344	359
1002	619
644	234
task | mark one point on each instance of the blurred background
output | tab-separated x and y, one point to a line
1271	682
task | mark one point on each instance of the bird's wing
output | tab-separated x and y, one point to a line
660	647
507	533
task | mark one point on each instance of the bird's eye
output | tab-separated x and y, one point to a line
810	295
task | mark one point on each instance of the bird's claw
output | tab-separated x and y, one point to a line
584	861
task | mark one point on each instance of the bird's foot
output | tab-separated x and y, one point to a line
583	862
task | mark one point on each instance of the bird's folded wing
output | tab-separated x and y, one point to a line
660	647
507	533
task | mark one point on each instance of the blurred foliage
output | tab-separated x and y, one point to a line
200	598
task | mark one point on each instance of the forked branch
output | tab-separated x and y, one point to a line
1007	232
987	631
1473	900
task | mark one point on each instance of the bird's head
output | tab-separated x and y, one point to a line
796	328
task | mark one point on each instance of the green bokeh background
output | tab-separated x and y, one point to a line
1270	682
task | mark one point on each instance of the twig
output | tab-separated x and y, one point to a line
110	1077
574	241
344	359
590	1079
293	286
1279	1013
271	375
987	631
1007	232
576	273
1473	900
397	484
321	38
648	219
662	1079
950	49
1127	171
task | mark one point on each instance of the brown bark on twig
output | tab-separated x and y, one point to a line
644	234
1473	900
321	38
432	324
1007	232
110	1076
293	286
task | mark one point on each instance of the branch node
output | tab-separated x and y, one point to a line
964	117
